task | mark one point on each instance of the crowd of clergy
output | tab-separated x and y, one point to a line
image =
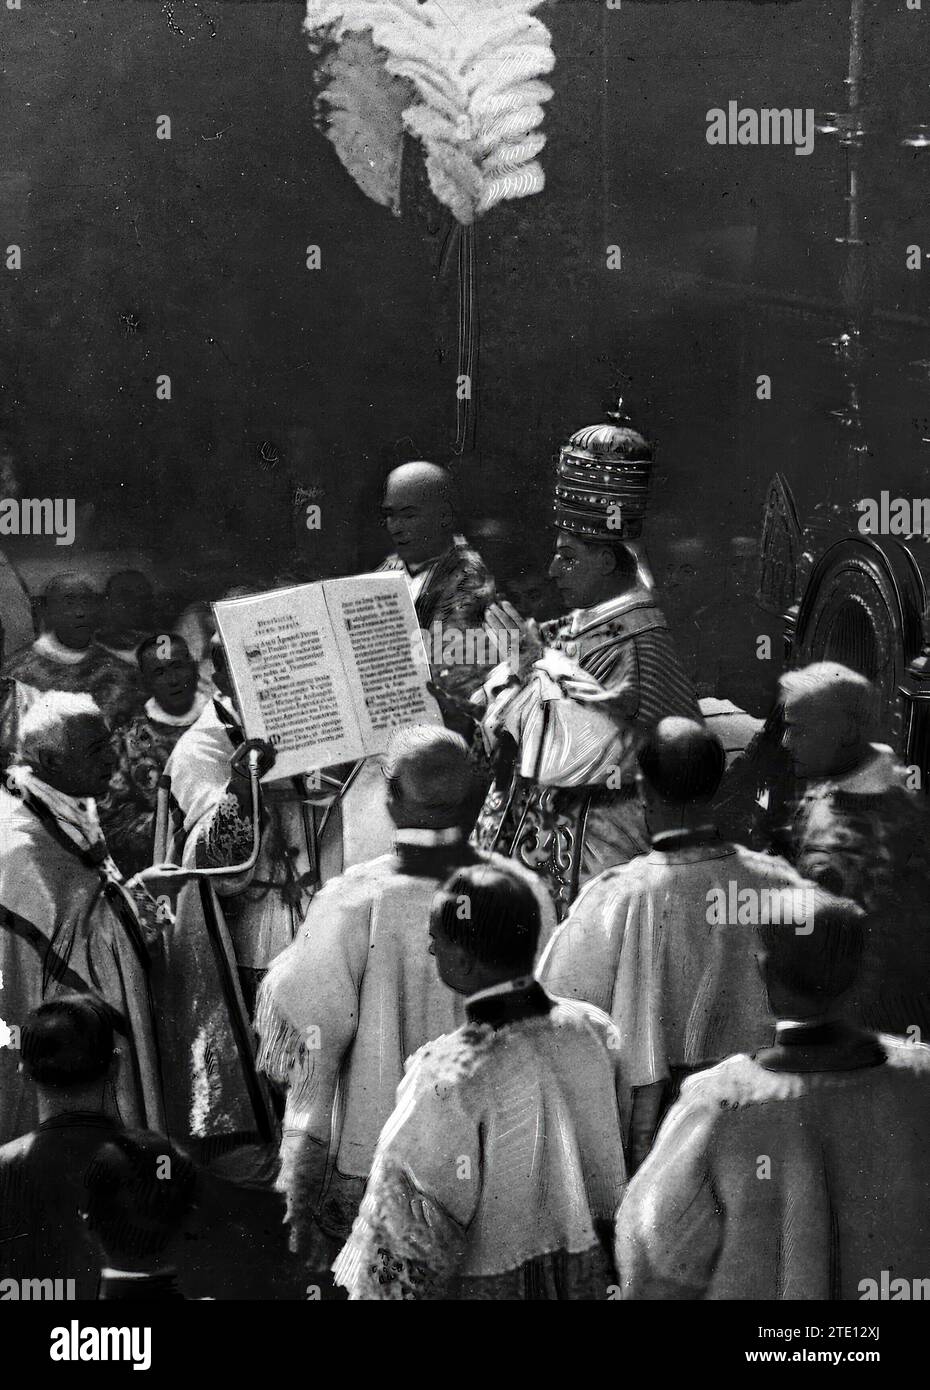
552	999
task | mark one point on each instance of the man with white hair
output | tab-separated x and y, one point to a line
65	655
860	830
67	920
356	994
829	715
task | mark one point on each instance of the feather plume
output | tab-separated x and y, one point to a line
471	70
361	108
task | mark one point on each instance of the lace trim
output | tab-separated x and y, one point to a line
456	1056
228	837
403	1245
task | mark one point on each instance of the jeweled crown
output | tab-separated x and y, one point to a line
602	481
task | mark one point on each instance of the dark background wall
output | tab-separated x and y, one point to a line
187	257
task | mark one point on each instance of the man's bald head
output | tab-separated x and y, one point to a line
419	510
682	761
422	476
429	778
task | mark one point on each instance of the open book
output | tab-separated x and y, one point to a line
326	671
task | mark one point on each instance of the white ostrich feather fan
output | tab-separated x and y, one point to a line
362	107
460	75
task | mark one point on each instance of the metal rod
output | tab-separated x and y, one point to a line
182	874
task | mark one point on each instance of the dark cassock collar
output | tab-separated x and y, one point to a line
821	1046
432	853
509	1002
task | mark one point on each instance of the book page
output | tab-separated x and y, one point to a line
289	678
375	624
